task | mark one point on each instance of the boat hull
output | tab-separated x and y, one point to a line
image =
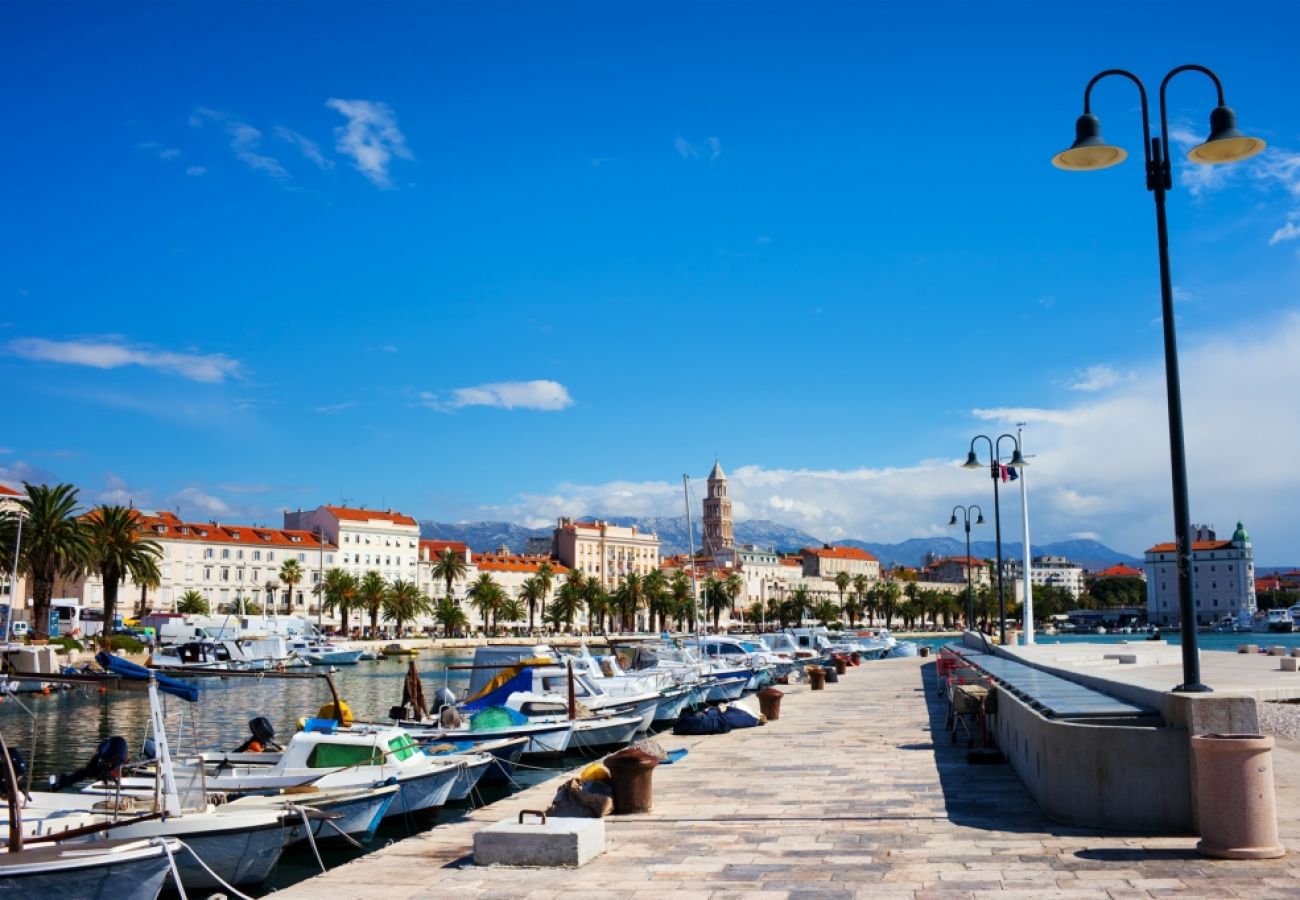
73	872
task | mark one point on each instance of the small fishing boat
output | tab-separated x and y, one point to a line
397	651
121	869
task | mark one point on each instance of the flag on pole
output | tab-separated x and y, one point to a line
1008	474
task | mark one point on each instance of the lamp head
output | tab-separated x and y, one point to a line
1089	150
953	520
972	461
980	520
1017	461
1225	143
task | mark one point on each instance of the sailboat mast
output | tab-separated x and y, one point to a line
690	545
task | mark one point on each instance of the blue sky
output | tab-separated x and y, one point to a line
515	261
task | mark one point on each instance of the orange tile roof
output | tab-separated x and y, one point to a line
369	515
498	562
840	553
957	560
1196	545
207	532
9	492
435	548
1120	570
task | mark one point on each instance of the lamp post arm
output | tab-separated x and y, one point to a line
1164	113
1142	92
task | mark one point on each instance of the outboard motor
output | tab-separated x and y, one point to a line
443	697
399	713
105	765
263	736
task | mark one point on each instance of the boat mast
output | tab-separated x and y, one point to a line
690	544
171	802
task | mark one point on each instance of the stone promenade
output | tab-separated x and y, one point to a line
855	792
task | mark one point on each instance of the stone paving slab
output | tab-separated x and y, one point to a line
856	792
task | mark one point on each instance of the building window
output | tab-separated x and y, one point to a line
257	555
207	573
225	553
225	574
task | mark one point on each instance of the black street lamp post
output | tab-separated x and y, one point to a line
970	591
1225	144
995	468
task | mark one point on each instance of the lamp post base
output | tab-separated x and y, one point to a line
1193	688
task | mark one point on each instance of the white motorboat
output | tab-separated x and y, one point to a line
354	812
1274	621
674	693
121	869
236	653
319	651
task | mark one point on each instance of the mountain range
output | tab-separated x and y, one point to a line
487	536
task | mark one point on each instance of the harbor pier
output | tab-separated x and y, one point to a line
857	791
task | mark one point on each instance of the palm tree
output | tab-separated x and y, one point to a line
597	600
290	574
147	575
861	584
404	602
192	603
826	612
682	598
842	581
55	544
631	597
889	597
116	550
545	575
715	599
800	602
450	616
370	597
510	609
449	567
340	593
568	600
852	609
532	592
655	586
734	586
486	596
755	612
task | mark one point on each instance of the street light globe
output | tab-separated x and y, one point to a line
953	520
972	461
1089	150
1225	143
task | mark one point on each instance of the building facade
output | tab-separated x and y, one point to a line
1223	578
605	552
956	570
827	561
377	540
8	589
223	564
1054	571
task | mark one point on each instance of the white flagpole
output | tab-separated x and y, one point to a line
1024	510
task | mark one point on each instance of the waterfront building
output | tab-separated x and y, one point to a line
827	561
367	539
9	503
1120	570
719	539
222	563
510	571
1223	578
955	570
429	554
604	551
1054	571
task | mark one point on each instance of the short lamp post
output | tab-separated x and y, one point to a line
970	591
1225	144
995	468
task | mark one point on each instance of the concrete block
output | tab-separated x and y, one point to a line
1295	651
1277	650
1128	659
1289	664
549	842
1247	648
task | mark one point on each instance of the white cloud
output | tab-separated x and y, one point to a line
245	142
1288	232
305	145
107	353
1098	466
711	149
541	395
371	137
1094	378
196	170
191	500
331	409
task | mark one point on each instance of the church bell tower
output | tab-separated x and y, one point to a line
718	535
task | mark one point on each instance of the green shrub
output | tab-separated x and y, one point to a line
125	643
66	644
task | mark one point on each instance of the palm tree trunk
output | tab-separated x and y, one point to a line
110	611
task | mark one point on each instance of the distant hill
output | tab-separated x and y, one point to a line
486	536
1092	555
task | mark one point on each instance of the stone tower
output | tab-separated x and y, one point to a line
718	535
